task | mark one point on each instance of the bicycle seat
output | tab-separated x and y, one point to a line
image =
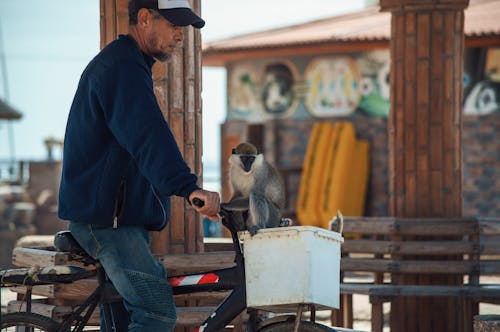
64	241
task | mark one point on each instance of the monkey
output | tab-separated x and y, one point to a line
258	185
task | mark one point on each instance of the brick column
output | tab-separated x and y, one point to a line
425	161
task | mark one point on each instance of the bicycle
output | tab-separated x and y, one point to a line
216	280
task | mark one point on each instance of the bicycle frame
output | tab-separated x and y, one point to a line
217	280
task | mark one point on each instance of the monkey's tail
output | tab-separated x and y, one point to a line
337	223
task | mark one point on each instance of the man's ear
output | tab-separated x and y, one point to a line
143	17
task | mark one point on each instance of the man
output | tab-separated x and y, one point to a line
121	163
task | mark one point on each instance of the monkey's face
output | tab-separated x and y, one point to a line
246	162
245	157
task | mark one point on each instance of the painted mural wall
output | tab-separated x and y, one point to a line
481	81
339	85
297	91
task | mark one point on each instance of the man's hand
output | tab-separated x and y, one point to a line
211	206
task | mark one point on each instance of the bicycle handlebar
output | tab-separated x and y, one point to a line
231	218
198	202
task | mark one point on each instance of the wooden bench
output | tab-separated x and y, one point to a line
59	300
389	248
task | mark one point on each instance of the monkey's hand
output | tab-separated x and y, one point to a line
253	230
286	222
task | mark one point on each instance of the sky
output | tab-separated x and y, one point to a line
46	44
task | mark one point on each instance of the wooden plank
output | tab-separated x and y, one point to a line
42	290
366	246
198	262
408	247
218	244
190	316
435	226
377	313
489	267
432	247
441	290
355	288
48	310
413	226
490	247
369	225
36	241
78	290
186	316
423	37
108	22
489	291
27	257
410	266
367	265
489	226
193	263
203	296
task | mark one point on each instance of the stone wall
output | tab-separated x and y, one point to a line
481	156
286	140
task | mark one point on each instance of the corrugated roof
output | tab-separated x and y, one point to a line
482	19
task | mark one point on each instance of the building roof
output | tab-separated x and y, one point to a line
7	112
367	27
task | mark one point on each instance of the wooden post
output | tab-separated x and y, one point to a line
486	323
425	161
177	85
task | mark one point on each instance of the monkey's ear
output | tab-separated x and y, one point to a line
233	151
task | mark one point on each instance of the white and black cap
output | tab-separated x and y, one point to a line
177	12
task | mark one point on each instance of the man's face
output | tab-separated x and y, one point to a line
163	38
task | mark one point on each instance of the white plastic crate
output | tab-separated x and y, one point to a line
287	266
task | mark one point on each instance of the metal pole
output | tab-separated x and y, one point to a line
5	81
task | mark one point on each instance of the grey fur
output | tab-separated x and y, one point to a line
261	185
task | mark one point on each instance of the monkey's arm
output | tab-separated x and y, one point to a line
274	187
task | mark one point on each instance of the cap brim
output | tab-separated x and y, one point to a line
182	17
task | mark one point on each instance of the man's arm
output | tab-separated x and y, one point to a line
132	114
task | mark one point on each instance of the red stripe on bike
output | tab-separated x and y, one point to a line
174	282
198	279
209	278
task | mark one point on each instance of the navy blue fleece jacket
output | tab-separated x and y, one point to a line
121	162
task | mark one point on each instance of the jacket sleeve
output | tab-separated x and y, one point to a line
133	115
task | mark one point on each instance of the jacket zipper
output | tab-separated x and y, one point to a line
116	213
161	204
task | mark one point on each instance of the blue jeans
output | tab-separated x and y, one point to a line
139	278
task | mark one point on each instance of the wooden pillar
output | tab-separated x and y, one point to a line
425	158
177	85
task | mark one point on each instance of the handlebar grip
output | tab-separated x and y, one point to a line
198	202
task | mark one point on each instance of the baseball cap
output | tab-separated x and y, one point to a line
177	12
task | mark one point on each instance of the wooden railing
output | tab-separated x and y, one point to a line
388	248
